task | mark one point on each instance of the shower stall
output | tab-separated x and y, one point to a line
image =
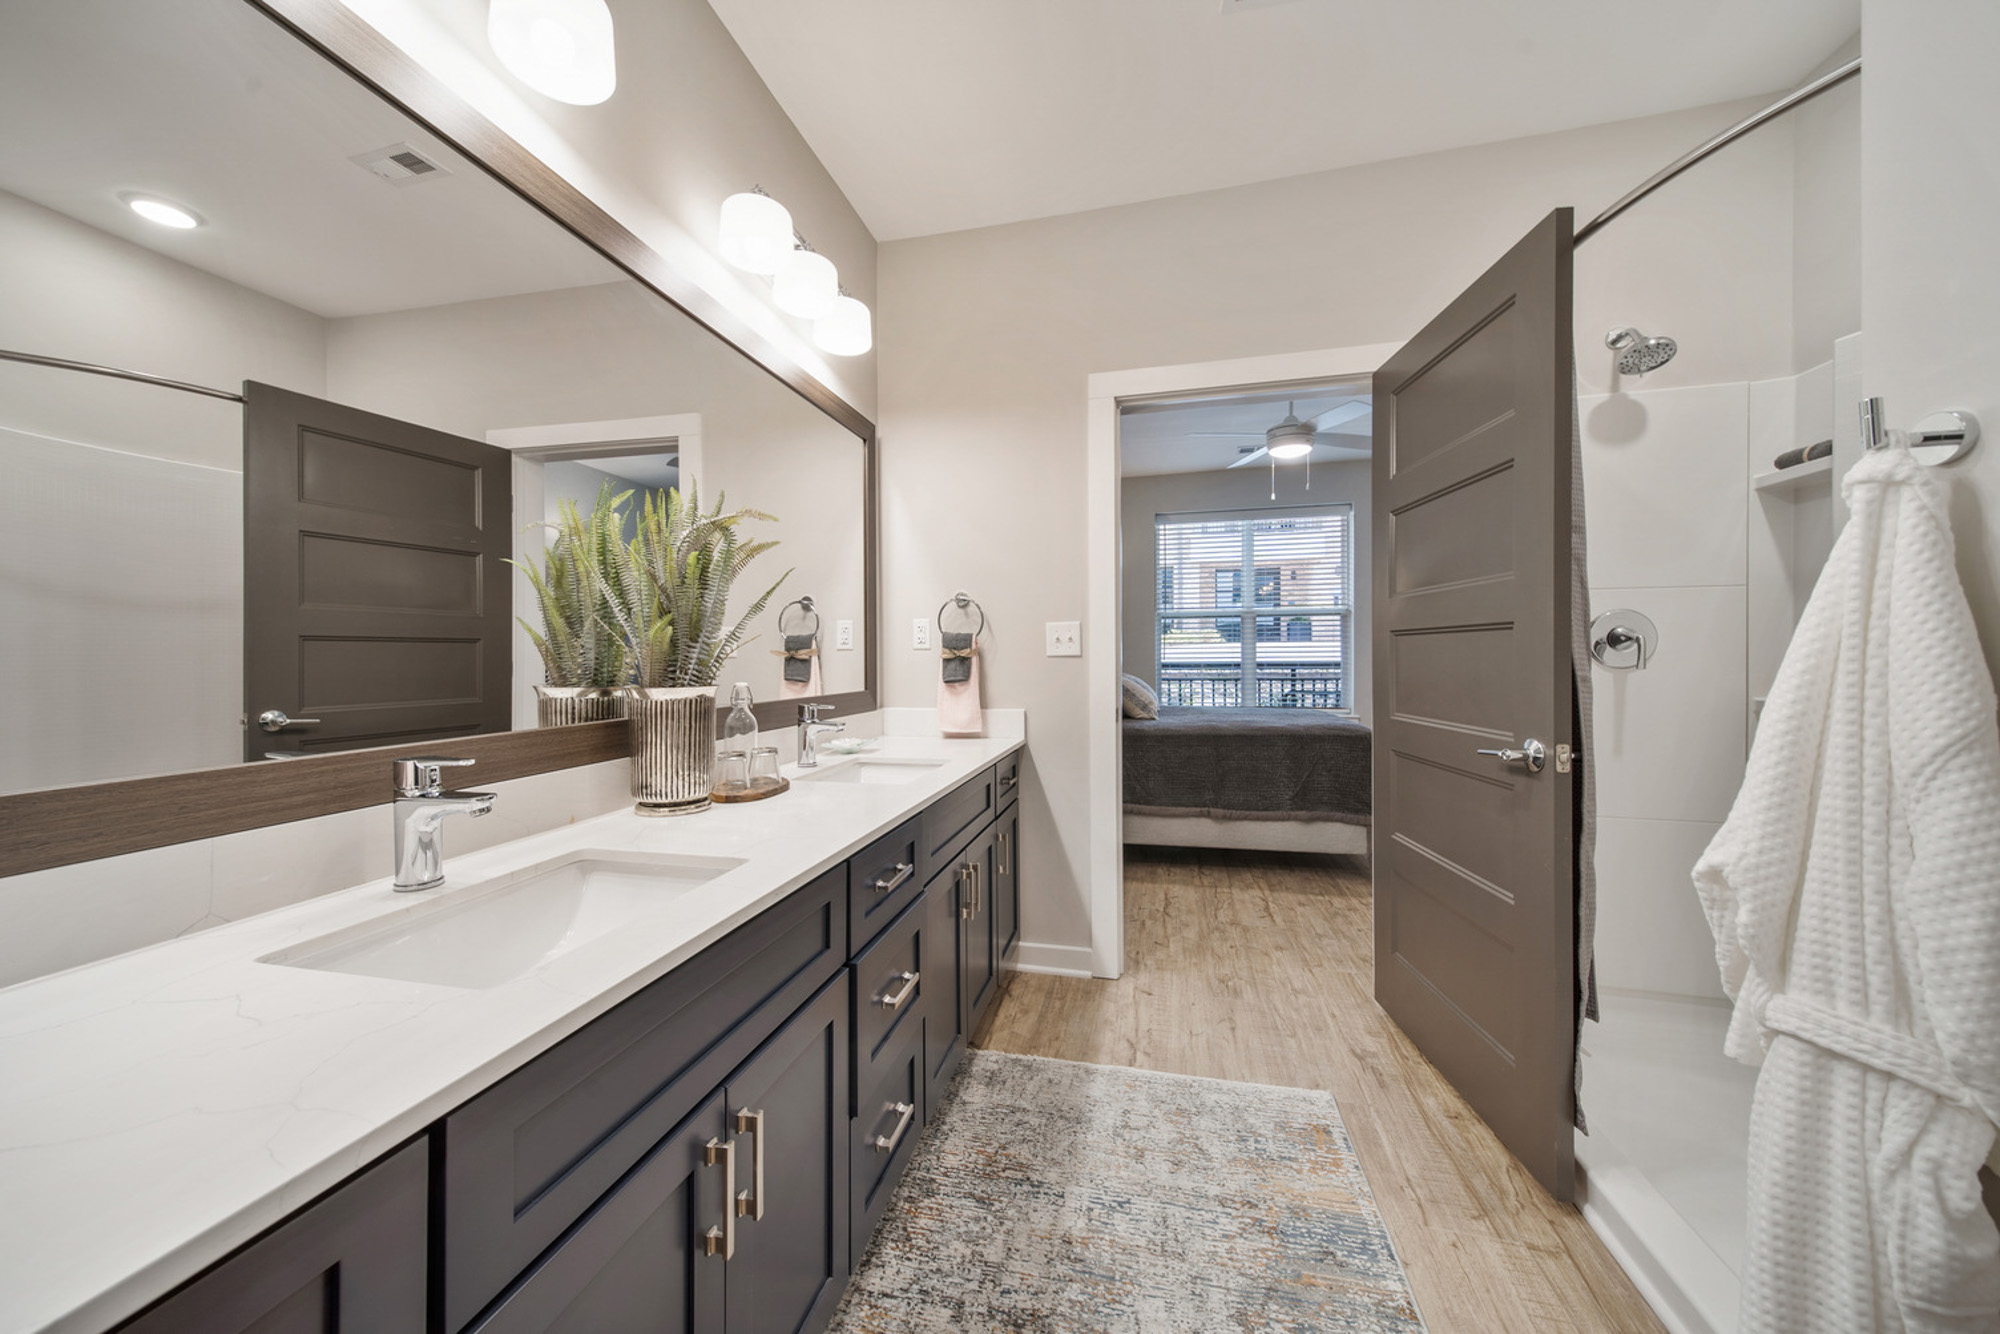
1702	553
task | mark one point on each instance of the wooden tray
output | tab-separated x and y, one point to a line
756	792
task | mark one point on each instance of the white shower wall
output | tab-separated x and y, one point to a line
1676	532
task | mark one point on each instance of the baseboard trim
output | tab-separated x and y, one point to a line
1055	960
1680	1276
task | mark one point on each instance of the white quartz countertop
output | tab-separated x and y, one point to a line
159	1109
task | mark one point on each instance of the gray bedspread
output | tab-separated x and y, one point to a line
1248	764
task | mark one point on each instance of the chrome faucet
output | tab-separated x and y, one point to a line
809	729
421	805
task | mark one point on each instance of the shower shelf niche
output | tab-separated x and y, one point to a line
1810	476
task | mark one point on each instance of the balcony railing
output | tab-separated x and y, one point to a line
1220	686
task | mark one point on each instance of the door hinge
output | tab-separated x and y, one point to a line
1562	757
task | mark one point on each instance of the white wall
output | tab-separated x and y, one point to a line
690	124
1930	277
987	338
1142	499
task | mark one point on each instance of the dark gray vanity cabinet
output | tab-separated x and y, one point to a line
353	1262
1007	880
979	949
944	999
525	1159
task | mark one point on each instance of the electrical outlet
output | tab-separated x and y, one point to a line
920	633
843	634
1065	639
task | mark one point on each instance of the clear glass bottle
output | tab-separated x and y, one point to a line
739	730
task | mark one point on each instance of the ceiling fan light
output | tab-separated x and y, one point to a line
807	285
756	232
1291	447
848	330
560	48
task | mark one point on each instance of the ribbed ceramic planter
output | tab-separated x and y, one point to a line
673	747
560	706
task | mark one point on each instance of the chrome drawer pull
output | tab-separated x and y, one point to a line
887	1143
909	989
1003	854
722	1240
1009	781
750	1203
882	884
966	906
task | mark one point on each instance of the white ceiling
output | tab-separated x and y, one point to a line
1211	433
212	105
938	115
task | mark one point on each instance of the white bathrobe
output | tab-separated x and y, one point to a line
1855	898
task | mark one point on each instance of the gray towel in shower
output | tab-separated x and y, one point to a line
798	662
957	656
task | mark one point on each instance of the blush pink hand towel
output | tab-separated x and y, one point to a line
958	703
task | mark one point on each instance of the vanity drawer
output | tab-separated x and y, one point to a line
1007	781
890	983
883	879
889	1116
951	821
525	1159
351	1263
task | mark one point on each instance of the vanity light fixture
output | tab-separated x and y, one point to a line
756	232
806	285
848	330
561	48
164	212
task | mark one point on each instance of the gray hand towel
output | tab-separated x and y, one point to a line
798	668
958	661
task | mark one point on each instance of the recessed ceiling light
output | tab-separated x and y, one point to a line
166	214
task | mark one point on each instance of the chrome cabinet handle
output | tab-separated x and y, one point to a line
274	720
1003	854
750	1203
882	884
978	891
966	906
1009	781
887	1143
721	1240
1532	753
903	994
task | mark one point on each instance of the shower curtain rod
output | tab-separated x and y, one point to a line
139	377
1796	97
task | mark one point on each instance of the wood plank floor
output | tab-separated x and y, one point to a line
1258	967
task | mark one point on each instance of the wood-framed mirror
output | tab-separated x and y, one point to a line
435	339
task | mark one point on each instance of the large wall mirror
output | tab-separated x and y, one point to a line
432	368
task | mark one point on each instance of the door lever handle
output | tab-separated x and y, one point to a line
1532	753
274	720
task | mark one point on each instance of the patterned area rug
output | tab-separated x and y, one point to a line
1052	1197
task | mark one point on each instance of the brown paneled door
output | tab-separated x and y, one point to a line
376	602
1474	954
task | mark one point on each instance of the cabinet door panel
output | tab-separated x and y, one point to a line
944	1019
889	1113
352	1263
790	1103
635	1264
980	958
1007	881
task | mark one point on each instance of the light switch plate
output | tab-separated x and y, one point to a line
1065	639
843	634
920	633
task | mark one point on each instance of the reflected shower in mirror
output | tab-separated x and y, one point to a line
432	365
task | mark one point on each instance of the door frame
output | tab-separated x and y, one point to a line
1108	391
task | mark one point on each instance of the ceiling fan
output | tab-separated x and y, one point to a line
1294	439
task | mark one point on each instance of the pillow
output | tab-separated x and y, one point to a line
1139	699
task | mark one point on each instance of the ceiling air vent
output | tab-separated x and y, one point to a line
400	164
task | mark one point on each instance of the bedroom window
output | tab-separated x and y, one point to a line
1255	610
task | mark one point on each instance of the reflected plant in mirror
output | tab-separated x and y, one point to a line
584	657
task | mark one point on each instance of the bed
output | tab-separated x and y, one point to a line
1295	780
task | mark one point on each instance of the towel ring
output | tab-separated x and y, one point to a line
806	608
961	602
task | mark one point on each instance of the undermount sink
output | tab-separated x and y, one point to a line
485	935
872	771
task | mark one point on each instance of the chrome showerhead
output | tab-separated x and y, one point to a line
1637	353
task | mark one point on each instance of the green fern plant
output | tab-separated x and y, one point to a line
672	591
580	645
